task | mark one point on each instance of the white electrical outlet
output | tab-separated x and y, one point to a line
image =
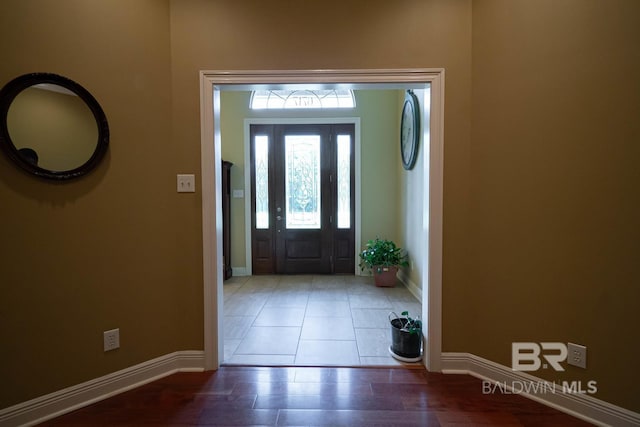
577	355
111	339
186	183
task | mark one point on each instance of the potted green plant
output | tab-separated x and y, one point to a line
383	257
406	337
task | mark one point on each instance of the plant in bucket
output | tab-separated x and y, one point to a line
406	337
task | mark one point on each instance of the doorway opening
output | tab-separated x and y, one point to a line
430	225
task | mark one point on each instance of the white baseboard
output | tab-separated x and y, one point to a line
582	406
69	399
240	271
415	290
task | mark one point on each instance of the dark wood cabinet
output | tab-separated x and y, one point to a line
226	219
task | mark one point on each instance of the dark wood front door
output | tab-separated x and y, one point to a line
302	199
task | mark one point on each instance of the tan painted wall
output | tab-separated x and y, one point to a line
555	241
540	200
105	251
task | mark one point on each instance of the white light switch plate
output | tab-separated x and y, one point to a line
186	183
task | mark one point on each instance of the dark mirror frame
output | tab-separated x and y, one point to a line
13	89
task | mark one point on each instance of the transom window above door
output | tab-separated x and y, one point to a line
302	98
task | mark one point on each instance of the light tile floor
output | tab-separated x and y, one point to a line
311	320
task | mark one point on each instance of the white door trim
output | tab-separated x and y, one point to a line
212	82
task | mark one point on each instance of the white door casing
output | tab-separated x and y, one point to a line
212	82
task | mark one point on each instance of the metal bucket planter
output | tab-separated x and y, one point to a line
406	339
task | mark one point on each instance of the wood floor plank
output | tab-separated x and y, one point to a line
382	397
356	418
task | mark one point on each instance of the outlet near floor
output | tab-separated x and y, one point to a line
111	339
577	355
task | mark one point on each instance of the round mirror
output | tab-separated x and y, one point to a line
51	126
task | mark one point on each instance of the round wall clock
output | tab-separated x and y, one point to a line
410	130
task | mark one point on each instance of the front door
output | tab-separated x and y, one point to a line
302	199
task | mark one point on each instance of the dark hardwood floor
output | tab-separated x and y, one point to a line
306	396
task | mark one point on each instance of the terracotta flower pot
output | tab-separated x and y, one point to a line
385	276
